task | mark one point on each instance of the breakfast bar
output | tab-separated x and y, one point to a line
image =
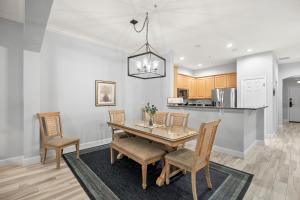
240	128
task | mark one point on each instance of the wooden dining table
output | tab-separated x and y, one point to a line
172	137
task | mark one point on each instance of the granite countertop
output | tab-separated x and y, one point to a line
214	107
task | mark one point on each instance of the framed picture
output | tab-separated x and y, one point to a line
105	93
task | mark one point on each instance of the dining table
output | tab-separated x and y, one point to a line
172	137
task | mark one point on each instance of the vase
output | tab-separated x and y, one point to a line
151	121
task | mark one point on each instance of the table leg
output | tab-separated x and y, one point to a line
162	178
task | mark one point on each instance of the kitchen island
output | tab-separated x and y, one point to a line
240	128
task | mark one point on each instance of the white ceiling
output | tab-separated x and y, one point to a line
184	25
12	10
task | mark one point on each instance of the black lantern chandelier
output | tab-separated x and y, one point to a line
146	64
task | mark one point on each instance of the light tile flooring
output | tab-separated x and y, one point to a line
276	166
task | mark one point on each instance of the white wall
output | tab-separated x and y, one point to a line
257	66
69	68
11	92
285	71
220	69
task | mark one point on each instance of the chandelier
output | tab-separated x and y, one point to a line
146	64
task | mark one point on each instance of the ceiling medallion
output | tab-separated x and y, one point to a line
146	64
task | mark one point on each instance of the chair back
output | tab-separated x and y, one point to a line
160	118
178	119
206	140
50	125
117	116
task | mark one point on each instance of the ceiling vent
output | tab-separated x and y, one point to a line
284	58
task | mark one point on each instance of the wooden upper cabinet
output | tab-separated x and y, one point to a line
200	88
231	80
221	81
200	83
183	81
209	86
192	88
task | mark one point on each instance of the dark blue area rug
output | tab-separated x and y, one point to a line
122	180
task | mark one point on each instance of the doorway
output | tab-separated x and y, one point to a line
294	104
291	100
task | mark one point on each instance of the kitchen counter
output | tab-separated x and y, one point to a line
240	128
214	107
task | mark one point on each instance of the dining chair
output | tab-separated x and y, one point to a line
193	161
178	119
118	117
52	136
160	118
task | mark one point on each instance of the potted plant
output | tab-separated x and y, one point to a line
150	110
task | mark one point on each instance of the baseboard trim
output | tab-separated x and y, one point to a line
18	160
228	151
238	153
21	160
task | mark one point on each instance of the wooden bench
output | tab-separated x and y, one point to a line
138	150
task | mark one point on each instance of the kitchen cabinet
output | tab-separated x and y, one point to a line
200	88
200	85
192	88
231	80
209	86
183	81
221	81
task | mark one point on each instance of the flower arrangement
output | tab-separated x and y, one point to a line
150	110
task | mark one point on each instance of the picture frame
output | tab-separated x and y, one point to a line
105	93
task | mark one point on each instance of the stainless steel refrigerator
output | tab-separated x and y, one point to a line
226	97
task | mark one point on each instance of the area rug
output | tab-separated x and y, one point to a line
122	180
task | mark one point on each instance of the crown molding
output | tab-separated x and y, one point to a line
75	35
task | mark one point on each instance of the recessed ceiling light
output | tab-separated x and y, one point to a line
181	58
199	65
229	45
298	82
249	50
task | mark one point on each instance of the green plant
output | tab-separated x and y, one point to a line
151	110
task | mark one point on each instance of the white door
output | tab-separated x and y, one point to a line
253	92
294	104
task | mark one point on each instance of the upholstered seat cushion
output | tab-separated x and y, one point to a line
120	134
138	147
183	157
60	142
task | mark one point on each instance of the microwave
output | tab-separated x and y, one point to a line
184	93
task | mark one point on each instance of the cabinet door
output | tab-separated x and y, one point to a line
200	87
221	81
209	85
181	81
231	80
192	88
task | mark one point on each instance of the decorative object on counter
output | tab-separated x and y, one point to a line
105	93
150	110
146	65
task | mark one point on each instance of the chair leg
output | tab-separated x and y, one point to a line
194	185
167	166
207	177
144	176
77	150
58	156
112	156
45	155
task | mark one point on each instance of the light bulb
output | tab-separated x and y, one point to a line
155	64
138	65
